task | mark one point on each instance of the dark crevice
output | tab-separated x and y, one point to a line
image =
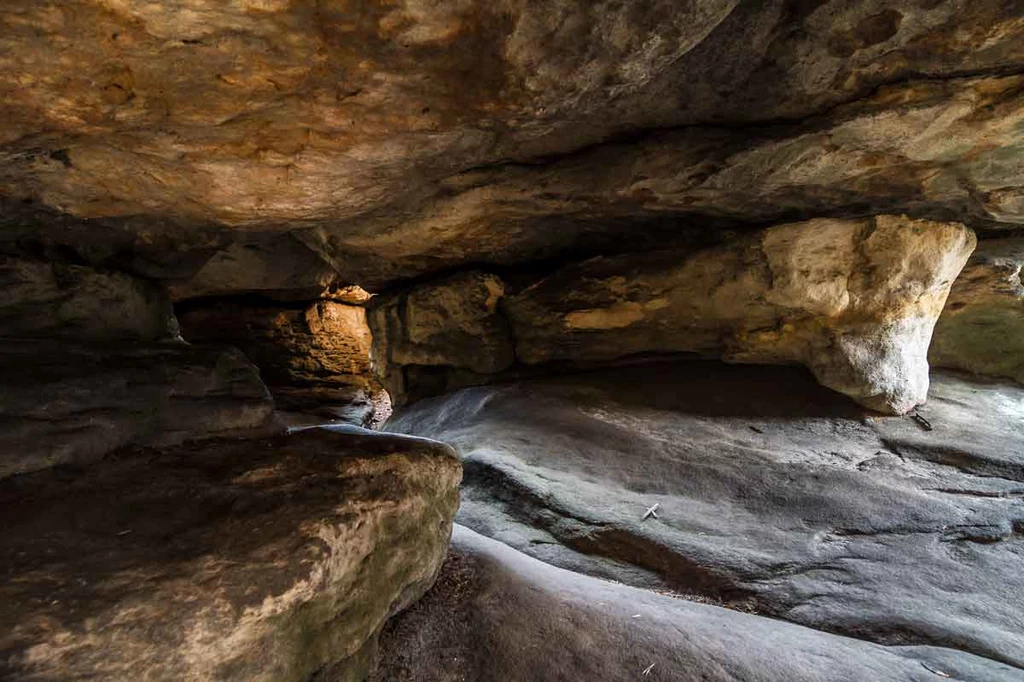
961	460
596	538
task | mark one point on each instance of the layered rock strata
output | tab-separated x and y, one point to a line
853	300
312	356
66	403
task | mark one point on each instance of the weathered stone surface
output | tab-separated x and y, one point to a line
774	495
310	356
40	298
496	614
981	329
450	324
65	403
232	560
854	301
267	264
413	137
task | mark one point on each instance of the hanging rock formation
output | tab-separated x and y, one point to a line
853	300
384	141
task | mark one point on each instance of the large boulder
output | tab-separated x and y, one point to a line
853	300
981	329
234	560
68	403
311	355
497	614
767	494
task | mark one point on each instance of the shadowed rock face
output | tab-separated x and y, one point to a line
982	326
72	403
53	299
233	560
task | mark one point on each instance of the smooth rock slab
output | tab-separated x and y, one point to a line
497	614
775	495
68	403
233	560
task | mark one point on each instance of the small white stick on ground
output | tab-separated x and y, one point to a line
648	669
651	512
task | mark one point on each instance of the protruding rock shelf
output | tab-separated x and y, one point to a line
40	299
262	560
68	403
855	301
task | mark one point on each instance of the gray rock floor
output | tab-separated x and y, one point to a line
774	497
497	614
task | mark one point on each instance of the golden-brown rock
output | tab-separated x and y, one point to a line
311	356
398	138
853	300
453	324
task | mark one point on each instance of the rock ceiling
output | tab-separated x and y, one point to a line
365	142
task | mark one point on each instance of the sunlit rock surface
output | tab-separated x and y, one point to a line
853	300
313	356
234	560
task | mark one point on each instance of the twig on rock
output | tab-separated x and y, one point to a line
934	670
924	423
648	669
651	512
